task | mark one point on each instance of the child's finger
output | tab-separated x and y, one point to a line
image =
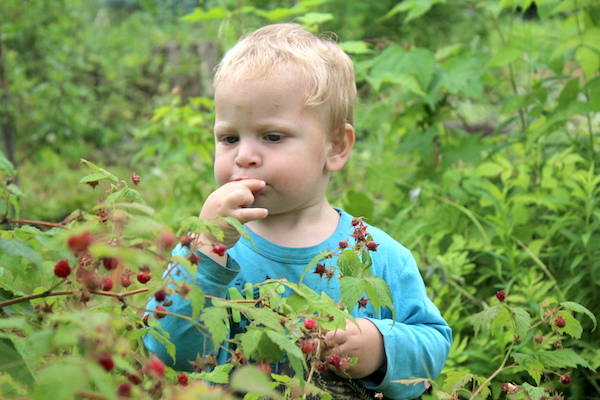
250	214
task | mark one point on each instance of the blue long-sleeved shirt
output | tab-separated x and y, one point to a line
416	345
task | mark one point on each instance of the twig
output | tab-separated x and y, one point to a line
68	292
34	222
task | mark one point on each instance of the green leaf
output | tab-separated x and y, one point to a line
505	55
13	362
94	177
554	359
580	309
250	379
356	47
100	170
379	294
51	382
220	374
132	195
197	299
21	249
6	165
238	227
216	321
522	321
486	316
199	14
569	93
294	354
162	338
589	61
351	290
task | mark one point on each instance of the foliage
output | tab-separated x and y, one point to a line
478	150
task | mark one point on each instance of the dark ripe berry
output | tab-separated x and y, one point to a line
62	269
343	244
125	280
560	322
144	276
166	240
334	360
362	303
309	324
501	296
106	361
80	243
219	249
124	389
320	269
134	379
371	245
194	258
135	179
156	366
160	295
159	315
306	347
185	241
321	367
93	184
565	379
110	263
107	283
182	379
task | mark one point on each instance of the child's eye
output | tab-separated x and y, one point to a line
230	139
273	137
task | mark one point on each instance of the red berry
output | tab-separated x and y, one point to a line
182	379
144	276
124	389
125	280
306	347
134	379
309	324
62	269
219	249
135	178
334	360
320	269
159	315
110	263
107	283
185	241
80	243
160	295
565	379
166	240
501	296
156	366
264	367
560	322
362	303
321	367
106	361
343	244
371	245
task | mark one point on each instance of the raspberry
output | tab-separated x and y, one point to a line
107	283
560	322
322	367
134	379
110	263
309	324
106	361
144	276
343	244
80	243
320	269
124	389
185	241
135	179
156	366
160	295
306	347
182	379
125	280
219	249
159	315
501	296
334	360
371	245
194	258
166	240
266	368
565	379
62	269
362	303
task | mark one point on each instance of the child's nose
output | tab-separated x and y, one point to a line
247	155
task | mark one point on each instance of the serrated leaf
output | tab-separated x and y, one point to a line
132	195
238	227
349	263
580	309
456	379
554	359
6	165
21	249
220	374
94	177
163	340
196	296
522	321
351	290
485	317
51	381
293	352
251	379
379	294
250	340
216	321
100	170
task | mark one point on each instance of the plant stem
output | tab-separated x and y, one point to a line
34	222
68	292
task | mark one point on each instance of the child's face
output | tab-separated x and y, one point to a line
264	131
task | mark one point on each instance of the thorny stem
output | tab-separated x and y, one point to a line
49	293
34	222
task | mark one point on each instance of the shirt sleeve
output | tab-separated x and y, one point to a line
189	339
417	343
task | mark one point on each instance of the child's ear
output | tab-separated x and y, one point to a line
340	148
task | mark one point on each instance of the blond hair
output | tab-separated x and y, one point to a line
320	62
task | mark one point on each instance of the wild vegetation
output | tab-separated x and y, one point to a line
478	149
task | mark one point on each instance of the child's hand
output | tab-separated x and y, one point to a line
233	199
366	344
